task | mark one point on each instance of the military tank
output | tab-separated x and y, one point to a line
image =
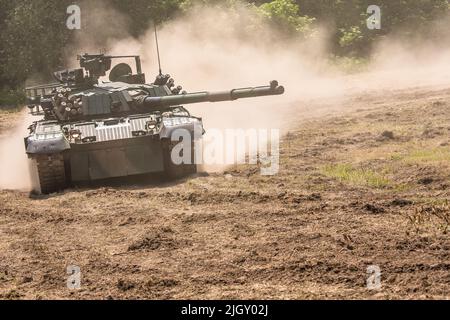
93	129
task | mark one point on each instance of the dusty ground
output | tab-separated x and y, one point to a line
367	184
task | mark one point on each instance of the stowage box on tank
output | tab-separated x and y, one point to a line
93	130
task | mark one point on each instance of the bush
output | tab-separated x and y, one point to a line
11	98
285	15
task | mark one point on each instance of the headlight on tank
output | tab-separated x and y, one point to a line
75	134
151	125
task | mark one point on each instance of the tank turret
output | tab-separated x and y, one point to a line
80	95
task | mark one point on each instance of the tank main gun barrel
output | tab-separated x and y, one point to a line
190	98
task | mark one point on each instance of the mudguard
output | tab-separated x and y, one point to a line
47	139
193	125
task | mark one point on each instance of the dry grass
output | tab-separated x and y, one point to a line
430	218
438	154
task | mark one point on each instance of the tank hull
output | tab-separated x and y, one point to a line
117	150
116	158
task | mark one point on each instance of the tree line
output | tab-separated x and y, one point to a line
34	39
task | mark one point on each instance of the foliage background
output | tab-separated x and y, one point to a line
35	41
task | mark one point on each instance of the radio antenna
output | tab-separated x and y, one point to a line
157	50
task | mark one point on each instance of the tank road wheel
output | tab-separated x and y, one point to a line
51	171
174	171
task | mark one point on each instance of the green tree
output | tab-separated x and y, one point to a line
347	21
285	15
33	39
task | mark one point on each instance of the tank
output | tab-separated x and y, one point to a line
94	130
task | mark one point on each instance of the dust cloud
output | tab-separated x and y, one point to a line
213	49
100	26
220	51
217	53
214	53
16	169
397	65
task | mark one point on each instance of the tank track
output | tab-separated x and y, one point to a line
172	170
51	171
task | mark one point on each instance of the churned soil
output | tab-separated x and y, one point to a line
365	184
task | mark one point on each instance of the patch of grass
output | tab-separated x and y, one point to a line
425	155
402	187
430	201
396	157
358	176
349	65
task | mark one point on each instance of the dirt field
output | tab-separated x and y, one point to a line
367	183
